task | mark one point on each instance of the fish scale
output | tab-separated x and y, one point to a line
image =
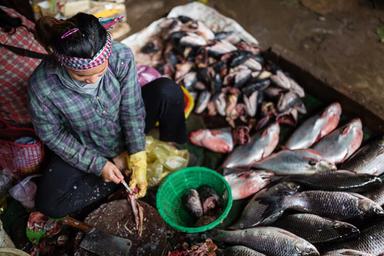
376	195
347	252
239	250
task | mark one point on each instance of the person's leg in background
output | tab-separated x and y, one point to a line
64	190
164	103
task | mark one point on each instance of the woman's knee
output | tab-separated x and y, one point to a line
167	89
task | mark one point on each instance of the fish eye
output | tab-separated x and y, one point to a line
312	162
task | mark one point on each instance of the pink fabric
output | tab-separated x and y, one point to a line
146	74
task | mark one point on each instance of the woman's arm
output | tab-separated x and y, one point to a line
49	128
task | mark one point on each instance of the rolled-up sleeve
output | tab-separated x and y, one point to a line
49	128
132	111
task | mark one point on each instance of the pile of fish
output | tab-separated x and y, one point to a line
203	204
317	194
226	75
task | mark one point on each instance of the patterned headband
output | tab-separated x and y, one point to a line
77	64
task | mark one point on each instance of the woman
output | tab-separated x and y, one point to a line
89	109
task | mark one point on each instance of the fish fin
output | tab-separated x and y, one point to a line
275	209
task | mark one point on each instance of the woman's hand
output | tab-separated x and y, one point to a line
121	161
111	173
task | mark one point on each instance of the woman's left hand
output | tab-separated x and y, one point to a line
121	161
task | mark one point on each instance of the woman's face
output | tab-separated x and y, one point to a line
89	76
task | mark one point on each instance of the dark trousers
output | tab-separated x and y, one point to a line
64	189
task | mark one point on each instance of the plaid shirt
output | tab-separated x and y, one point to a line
15	71
83	129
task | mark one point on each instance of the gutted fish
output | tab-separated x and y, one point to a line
254	212
261	145
268	240
369	159
341	143
245	184
316	229
219	140
290	162
314	128
338	181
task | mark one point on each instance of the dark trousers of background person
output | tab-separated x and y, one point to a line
64	189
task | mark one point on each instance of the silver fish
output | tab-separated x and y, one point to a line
253	64
337	181
290	100
314	128
245	184
239	250
316	229
371	240
280	79
191	39
376	195
221	47
268	240
261	145
346	252
220	104
341	143
290	162
202	102
335	205
189	80
254	212
369	159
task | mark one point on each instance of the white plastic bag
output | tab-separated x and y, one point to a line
25	191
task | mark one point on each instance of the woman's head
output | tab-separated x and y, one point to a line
80	43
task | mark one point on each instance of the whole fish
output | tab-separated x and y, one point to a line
239	250
247	183
346	252
335	205
316	229
290	162
268	240
371	240
337	181
261	145
341	143
219	140
315	127
202	102
369	159
254	212
376	195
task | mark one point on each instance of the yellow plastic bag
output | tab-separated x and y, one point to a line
162	159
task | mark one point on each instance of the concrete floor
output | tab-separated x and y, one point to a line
338	38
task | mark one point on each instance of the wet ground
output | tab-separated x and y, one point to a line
336	36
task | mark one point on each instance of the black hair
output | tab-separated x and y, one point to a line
84	43
8	23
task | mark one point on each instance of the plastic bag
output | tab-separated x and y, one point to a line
5	181
162	159
25	191
5	241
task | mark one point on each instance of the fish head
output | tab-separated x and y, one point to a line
333	110
304	248
320	165
345	229
369	207
285	188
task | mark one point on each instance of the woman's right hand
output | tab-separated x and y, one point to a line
111	173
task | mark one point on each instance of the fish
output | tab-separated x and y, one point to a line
261	145
332	204
341	143
285	82
221	47
316	229
191	201
251	103
268	240
189	80
239	250
290	162
371	240
369	159
182	69
339	180
257	85
376	195
202	102
253	64
290	100
253	213
346	252
218	140
209	198
192	39
315	128
245	184
240	134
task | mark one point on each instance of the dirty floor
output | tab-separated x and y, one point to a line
338	37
